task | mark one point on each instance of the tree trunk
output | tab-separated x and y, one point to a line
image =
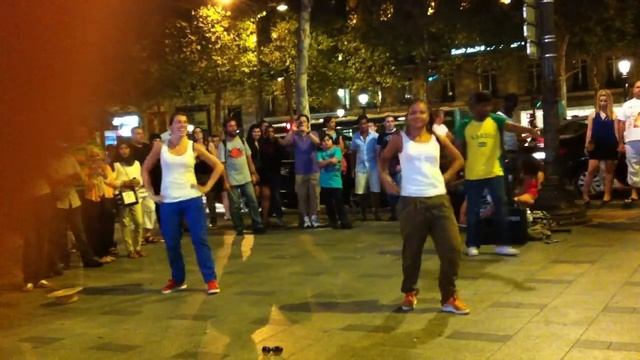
288	91
259	80
562	70
594	73
217	112
304	38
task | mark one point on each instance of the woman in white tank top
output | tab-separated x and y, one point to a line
180	200
424	208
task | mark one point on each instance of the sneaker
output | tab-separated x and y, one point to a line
307	223
314	221
507	251
28	287
43	284
455	306
173	286
279	222
472	251
92	263
212	287
106	259
410	301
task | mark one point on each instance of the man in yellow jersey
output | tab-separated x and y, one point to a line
481	139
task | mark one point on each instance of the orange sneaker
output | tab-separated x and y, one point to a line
410	301
212	287
173	286
456	306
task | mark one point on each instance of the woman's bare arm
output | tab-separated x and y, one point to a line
149	163
215	164
452	152
589	130
394	147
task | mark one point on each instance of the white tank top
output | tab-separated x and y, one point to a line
420	164
178	175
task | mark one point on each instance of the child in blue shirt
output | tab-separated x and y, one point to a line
330	162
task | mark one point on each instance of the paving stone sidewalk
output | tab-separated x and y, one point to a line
331	294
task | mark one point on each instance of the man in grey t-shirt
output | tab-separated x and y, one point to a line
241	175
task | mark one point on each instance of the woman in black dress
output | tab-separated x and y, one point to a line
601	144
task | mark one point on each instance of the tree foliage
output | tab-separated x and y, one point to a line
424	32
210	53
590	28
336	60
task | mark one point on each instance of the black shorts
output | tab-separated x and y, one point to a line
604	152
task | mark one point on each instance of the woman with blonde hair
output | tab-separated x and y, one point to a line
601	145
98	208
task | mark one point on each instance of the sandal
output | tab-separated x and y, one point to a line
630	200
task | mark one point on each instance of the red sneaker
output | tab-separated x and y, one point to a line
173	286
212	287
410	300
456	306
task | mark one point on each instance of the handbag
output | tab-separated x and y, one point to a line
128	197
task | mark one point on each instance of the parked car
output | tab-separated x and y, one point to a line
573	162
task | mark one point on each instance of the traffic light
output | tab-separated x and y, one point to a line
529	13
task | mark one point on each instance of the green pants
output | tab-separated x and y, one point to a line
420	217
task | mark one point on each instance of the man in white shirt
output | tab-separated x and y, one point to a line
365	172
628	133
439	128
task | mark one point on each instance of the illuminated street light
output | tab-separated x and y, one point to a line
282	7
340	112
624	66
363	99
225	2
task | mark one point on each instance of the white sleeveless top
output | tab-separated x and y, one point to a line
420	164
178	175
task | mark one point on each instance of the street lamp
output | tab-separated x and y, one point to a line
363	99
282	7
340	112
624	66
